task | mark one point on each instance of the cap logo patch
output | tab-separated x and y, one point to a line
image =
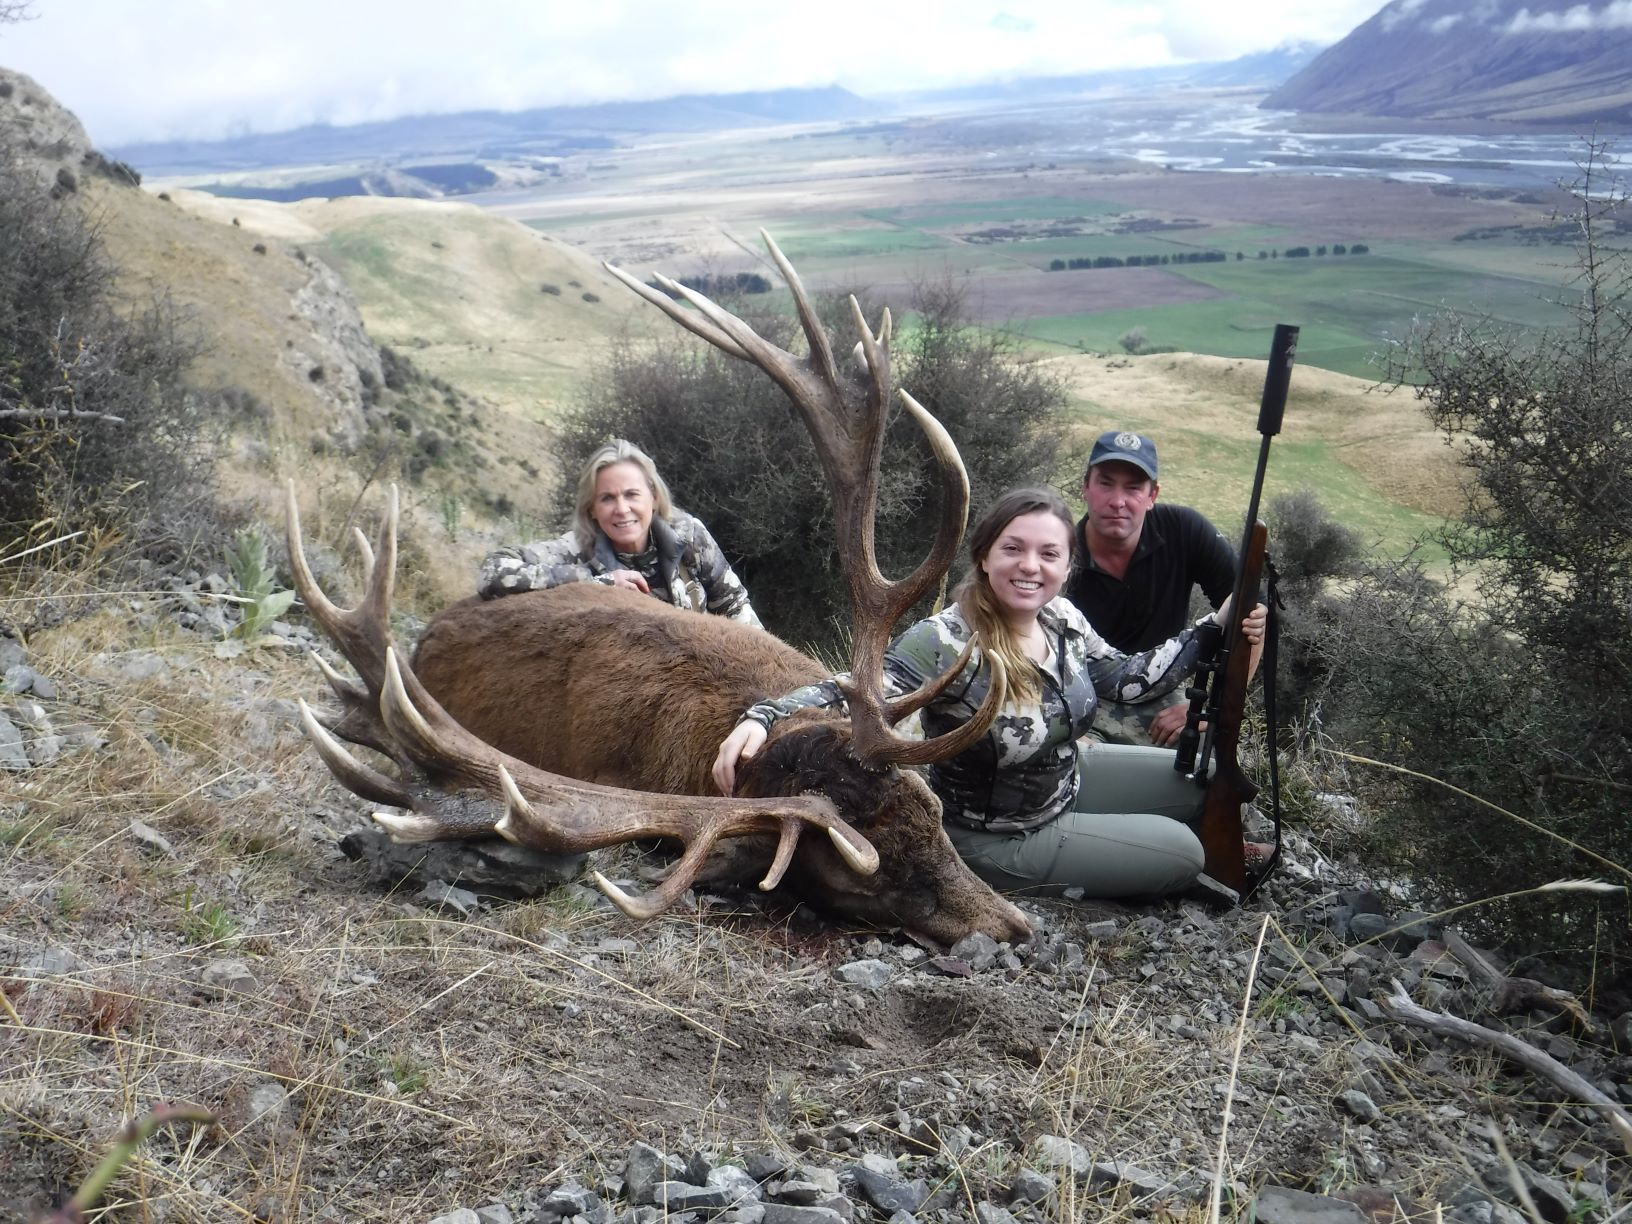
1129	441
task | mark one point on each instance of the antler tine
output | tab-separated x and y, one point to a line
700	327
821	350
366	551
352	773
849	440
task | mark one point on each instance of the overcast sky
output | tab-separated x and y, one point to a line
136	70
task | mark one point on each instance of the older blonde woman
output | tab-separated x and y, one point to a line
626	532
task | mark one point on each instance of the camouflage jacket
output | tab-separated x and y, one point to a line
683	566
1023	772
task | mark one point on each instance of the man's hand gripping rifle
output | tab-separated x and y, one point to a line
1218	697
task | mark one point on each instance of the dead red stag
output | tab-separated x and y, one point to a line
583	716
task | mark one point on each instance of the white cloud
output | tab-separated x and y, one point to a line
1616	15
203	68
1400	11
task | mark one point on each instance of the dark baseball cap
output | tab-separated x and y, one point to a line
1124	447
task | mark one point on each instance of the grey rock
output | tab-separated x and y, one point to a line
151	838
489	866
12	654
268	1103
1280	1205
644	1168
762	1166
1383	930
570	1199
447	896
1140	1182
463	1215
1056	1152
640	1215
22	678
808	1185
53	962
495	1213
13	756
229	976
978	948
1104	929
698	1168
748	1211
788	1213
951	966
1030	1186
739	1183
1359	1104
871	974
1554	1199
683	1196
881	1182
141	665
991	1213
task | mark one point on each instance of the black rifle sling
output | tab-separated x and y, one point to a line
1272	633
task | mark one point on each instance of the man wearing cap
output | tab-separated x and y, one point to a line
1135	564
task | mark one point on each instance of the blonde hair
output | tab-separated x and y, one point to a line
615	451
1016	681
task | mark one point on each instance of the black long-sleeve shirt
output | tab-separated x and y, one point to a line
1178	548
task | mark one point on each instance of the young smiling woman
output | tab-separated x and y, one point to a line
1027	806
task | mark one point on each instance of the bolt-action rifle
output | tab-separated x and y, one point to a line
1218	695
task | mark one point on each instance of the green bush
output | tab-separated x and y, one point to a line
1520	692
727	441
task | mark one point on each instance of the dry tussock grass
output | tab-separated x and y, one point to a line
424	1062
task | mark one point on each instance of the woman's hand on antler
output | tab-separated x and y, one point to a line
748	738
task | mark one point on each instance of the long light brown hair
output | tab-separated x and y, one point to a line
615	451
1017	678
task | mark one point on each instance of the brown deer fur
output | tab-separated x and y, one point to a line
616	687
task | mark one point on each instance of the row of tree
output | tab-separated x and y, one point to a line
1195	257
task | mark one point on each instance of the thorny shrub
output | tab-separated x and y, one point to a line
1522	692
97	427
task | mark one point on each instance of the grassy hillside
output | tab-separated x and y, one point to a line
275	335
491	306
1370	455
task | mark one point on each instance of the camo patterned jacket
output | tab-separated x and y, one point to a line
683	566
1023	772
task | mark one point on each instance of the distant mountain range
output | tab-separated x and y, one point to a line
1263	69
1539	61
494	135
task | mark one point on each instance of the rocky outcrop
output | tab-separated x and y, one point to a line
341	362
46	136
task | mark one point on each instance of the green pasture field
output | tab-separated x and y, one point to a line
1348	307
852	242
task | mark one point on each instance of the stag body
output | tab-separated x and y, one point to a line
610	686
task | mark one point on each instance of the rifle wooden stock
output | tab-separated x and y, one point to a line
1229	788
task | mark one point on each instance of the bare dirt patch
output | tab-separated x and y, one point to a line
997	300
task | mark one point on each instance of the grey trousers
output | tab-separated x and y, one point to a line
1129	835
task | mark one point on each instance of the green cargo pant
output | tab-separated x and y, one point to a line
1128	836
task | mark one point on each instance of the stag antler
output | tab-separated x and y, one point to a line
451	783
848	430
